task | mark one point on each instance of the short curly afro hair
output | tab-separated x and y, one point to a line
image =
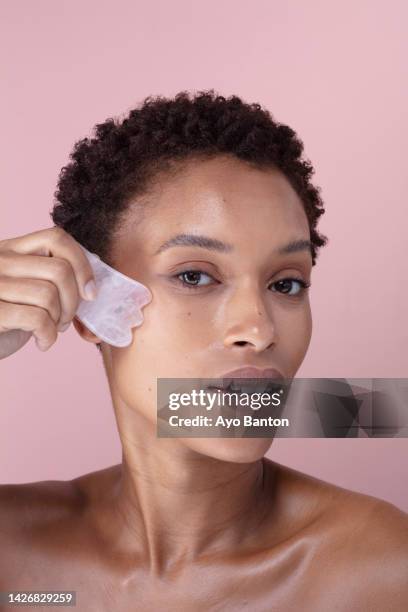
123	158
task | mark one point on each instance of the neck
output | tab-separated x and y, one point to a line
172	505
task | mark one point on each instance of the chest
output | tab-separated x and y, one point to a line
286	583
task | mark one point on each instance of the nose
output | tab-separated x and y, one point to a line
249	322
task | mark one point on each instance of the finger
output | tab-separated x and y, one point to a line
29	318
54	242
34	292
48	269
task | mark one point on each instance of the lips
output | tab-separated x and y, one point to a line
252	372
228	380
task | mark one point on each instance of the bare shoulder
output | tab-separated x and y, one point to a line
44	525
25	506
362	539
372	550
31	506
380	521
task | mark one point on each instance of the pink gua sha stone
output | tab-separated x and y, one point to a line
118	305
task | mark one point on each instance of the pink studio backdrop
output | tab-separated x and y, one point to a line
334	71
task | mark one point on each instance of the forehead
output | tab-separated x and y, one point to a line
221	196
224	185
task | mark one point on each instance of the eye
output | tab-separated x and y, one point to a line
190	279
285	286
192	276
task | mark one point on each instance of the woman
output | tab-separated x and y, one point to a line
196	198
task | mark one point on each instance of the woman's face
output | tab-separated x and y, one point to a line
229	313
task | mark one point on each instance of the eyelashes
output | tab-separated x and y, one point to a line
282	283
303	286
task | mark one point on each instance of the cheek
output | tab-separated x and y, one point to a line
175	332
295	336
163	347
133	382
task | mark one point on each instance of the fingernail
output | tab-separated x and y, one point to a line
64	327
90	290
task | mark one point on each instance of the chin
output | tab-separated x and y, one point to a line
234	450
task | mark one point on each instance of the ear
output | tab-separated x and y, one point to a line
84	332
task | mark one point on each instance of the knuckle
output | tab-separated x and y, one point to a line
48	293
41	318
61	267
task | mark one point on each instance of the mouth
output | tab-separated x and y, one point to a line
248	379
248	386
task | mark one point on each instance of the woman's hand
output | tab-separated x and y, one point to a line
42	280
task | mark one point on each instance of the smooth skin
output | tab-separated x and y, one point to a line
193	524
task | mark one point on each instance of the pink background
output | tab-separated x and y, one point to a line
336	72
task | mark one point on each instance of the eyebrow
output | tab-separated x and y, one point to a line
212	244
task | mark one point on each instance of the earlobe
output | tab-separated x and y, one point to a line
84	332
